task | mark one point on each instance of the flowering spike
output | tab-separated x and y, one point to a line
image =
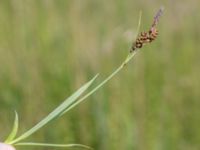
148	37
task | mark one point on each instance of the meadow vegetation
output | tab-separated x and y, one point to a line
49	48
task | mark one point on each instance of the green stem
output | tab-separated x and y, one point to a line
128	58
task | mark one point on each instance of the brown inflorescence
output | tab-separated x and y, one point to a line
147	37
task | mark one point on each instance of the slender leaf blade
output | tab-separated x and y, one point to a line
14	131
53	145
55	113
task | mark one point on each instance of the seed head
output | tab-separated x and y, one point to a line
148	37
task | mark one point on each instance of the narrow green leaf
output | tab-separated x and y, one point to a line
54	145
13	133
139	24
55	113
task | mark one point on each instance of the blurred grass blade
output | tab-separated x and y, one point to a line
55	113
14	131
54	145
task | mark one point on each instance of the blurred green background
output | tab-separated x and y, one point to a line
49	48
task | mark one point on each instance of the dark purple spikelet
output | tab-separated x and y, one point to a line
157	17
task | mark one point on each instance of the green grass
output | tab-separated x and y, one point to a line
50	48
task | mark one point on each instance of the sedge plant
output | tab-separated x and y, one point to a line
74	99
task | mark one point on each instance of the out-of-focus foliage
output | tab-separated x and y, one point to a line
49	48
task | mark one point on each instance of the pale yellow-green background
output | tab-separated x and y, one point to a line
49	48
